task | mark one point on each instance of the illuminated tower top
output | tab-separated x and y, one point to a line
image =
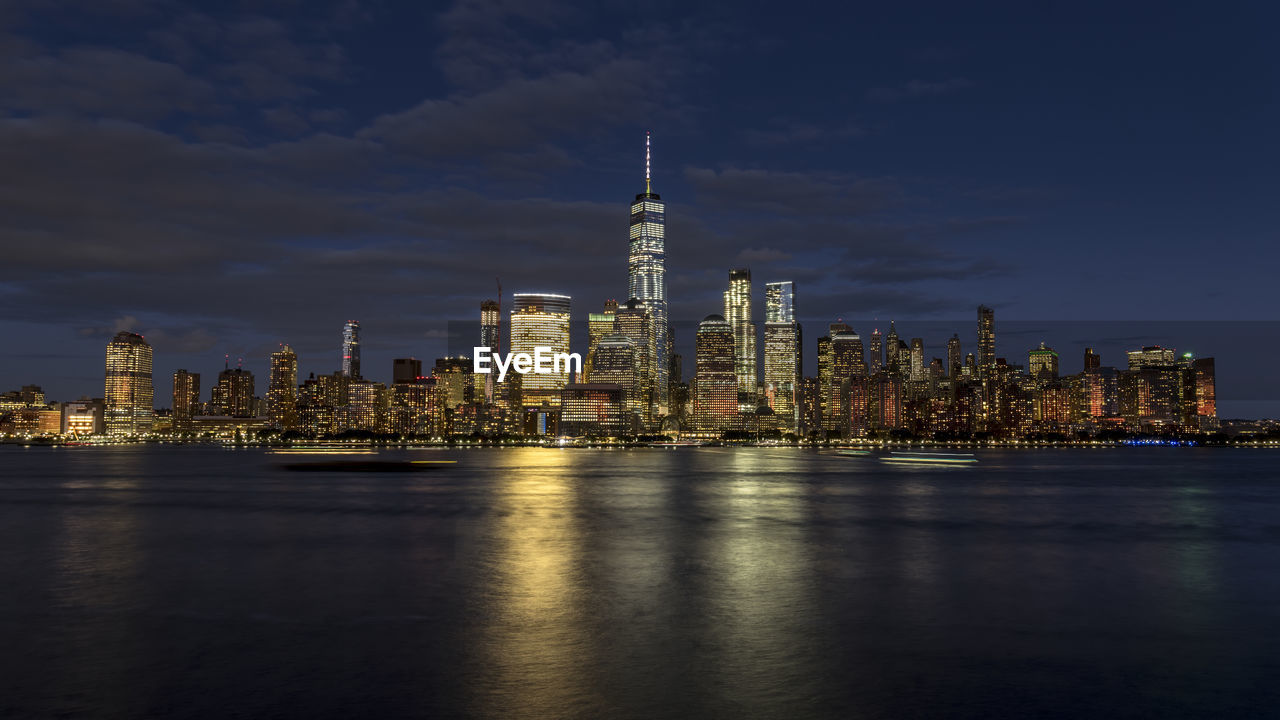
647	272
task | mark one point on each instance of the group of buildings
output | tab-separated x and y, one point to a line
632	382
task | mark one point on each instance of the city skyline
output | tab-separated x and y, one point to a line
229	179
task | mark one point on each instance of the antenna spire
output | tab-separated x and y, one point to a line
647	187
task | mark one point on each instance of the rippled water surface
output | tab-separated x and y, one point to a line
731	583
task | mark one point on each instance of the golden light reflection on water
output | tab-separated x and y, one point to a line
535	643
759	572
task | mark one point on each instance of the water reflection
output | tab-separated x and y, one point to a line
535	646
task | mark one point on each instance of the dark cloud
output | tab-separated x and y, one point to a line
919	89
792	193
791	132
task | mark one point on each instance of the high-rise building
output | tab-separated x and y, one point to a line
917	359
490	337
1092	360
1152	356
782	366
541	320
779	301
366	406
737	310
875	360
455	381
593	410
782	352
282	388
633	320
1042	363
825	375
954	360
1206	394
233	395
129	393
616	363
407	370
810	402
891	345
715	400
490	325
646	268
986	340
351	349
599	325
846	362
186	400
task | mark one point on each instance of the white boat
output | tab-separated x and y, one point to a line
930	458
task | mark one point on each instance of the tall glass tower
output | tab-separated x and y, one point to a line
737	310
129	395
647	271
986	340
351	349
282	384
782	361
541	319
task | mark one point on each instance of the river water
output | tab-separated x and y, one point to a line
167	581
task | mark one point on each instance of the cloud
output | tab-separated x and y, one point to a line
796	132
918	89
793	193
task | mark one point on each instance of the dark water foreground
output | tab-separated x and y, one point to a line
200	582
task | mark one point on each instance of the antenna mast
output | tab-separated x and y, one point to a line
647	187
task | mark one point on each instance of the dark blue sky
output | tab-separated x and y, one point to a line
226	176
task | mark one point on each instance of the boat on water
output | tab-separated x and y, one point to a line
678	444
929	458
367	465
853	453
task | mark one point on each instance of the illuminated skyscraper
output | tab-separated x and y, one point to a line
615	363
782	352
490	325
715	400
846	362
779	301
351	349
1152	356
186	399
825	375
891	348
282	385
986	340
1042	363
875	360
634	321
233	395
954	358
917	359
129	393
1206	394
737	310
599	325
541	320
646	264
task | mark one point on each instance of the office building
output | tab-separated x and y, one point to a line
129	394
351	349
186	400
541	320
737	311
282	389
646	270
715	397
